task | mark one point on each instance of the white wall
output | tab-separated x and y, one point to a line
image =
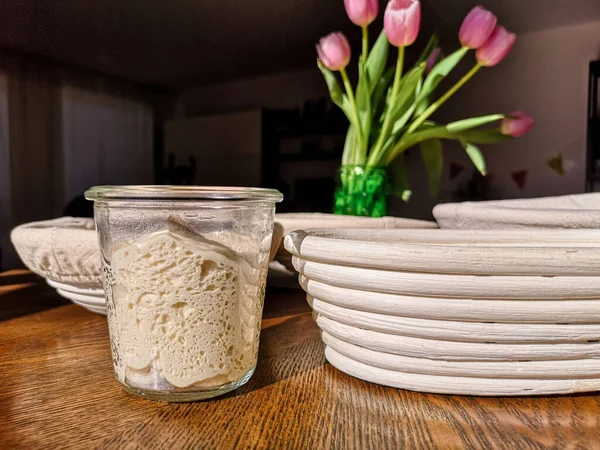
283	90
545	75
106	139
226	147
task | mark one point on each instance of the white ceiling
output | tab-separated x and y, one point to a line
181	43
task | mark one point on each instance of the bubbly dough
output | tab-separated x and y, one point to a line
187	311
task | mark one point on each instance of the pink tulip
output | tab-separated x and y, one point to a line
435	55
334	51
496	47
401	21
362	12
477	27
516	124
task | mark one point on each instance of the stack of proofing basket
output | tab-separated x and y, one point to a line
510	305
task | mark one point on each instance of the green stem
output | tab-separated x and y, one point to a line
365	43
350	93
440	101
387	123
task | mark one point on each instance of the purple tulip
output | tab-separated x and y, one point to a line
434	57
496	47
516	124
362	12
401	21
477	27
334	51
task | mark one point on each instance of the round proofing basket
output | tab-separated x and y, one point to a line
563	311
454	286
566	212
459	385
302	221
467	252
64	250
455	330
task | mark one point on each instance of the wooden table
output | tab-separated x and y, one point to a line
57	390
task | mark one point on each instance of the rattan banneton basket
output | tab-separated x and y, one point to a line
473	312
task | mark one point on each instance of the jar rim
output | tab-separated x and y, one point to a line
169	192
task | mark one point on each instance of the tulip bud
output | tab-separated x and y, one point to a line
334	51
516	124
477	27
496	47
362	12
435	55
401	21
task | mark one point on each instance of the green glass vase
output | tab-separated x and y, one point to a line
362	191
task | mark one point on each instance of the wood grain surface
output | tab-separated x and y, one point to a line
57	390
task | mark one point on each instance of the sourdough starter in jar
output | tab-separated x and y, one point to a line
186	310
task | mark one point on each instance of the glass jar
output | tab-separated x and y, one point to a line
362	191
184	274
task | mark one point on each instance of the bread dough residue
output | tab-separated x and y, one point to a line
186	310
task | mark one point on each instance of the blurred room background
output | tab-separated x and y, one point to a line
223	92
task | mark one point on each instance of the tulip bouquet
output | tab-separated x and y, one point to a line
390	109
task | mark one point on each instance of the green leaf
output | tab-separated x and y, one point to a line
467	124
441	71
416	137
476	156
385	158
402	120
482	136
433	131
349	148
427	125
408	91
400	181
432	154
426	101
422	105
431	45
363	96
400	112
377	60
335	90
381	87
399	126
